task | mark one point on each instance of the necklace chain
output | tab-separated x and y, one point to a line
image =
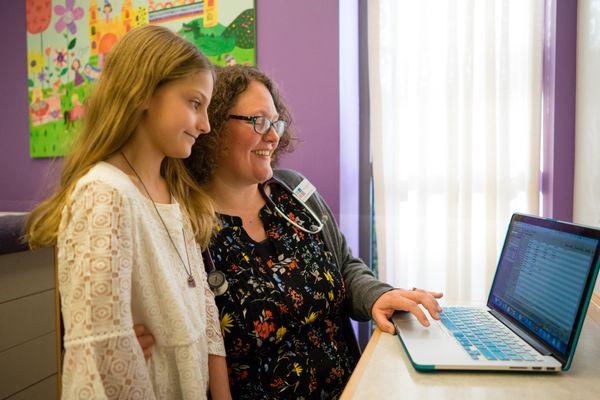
188	268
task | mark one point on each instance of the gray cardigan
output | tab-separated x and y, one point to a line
362	288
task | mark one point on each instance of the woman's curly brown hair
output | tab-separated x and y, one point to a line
231	82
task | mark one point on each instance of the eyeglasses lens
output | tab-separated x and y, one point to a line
279	127
261	125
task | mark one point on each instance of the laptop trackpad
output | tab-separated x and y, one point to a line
411	328
428	346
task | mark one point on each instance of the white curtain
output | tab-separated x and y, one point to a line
456	105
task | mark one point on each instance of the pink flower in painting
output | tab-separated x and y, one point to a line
38	15
68	15
61	58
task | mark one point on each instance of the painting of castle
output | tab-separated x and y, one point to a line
107	27
68	41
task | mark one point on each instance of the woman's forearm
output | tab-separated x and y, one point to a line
218	380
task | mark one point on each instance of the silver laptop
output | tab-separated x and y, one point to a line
535	309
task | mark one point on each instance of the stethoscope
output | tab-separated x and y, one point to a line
216	279
314	229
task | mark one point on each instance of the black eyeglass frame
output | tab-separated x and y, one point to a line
270	124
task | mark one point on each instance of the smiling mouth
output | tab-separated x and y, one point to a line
262	153
189	134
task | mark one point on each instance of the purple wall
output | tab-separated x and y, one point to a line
560	57
22	180
350	124
298	45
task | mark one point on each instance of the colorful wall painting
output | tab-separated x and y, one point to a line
68	40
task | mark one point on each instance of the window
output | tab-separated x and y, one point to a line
455	93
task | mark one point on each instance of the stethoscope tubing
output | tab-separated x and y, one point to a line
262	189
209	265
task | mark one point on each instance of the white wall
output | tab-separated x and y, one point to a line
586	204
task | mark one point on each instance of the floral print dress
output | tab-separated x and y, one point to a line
282	314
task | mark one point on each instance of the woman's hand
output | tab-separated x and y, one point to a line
405	300
145	339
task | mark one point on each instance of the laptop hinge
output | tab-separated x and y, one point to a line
521	333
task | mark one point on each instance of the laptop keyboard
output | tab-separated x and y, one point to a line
483	337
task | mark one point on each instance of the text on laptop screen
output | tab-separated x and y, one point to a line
541	279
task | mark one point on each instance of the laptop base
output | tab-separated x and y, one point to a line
434	348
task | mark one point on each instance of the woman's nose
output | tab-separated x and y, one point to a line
271	135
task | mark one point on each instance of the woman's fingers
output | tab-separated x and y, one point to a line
427	299
144	338
395	300
146	341
382	322
405	300
139	329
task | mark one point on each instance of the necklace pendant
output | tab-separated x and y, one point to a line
191	282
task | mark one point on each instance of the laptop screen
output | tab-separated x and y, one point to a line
542	275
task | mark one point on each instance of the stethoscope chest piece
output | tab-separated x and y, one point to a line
217	282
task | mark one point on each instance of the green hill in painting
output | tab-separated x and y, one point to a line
237	40
243	29
209	40
196	29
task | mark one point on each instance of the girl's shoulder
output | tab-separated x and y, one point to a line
104	177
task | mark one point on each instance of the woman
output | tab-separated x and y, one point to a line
126	220
284	313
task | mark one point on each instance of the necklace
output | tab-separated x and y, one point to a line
188	269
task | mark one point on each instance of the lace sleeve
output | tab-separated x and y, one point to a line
102	357
213	325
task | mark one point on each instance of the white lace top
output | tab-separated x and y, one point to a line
117	267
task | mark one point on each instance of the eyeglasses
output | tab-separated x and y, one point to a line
262	124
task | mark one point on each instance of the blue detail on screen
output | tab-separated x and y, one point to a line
541	279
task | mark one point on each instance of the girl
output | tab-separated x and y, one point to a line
127	219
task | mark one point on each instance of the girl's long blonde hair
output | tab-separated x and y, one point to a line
143	60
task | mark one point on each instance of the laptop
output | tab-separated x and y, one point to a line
535	310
